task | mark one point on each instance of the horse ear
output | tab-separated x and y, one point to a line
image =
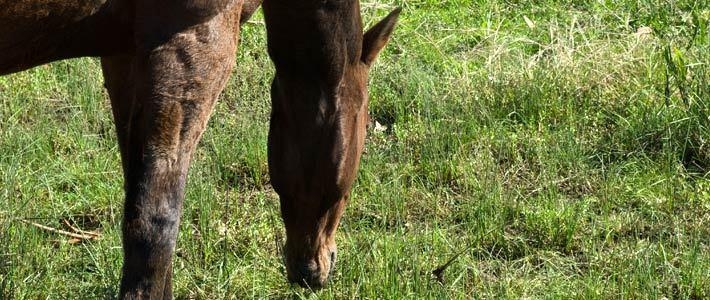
376	38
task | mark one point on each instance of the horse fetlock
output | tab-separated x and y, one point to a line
152	233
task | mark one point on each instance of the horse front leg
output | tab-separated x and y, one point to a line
162	97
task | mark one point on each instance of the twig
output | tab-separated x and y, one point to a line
77	230
59	231
255	22
439	272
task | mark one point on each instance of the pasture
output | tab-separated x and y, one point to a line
541	149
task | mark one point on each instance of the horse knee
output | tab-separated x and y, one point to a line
150	231
154	196
153	208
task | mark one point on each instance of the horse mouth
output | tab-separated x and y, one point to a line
309	274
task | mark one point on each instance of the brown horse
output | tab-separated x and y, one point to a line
165	63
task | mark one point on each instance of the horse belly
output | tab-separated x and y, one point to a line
26	24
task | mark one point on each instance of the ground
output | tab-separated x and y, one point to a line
548	149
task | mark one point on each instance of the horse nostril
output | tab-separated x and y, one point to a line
310	274
306	275
305	270
333	259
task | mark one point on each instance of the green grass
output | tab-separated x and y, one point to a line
566	156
